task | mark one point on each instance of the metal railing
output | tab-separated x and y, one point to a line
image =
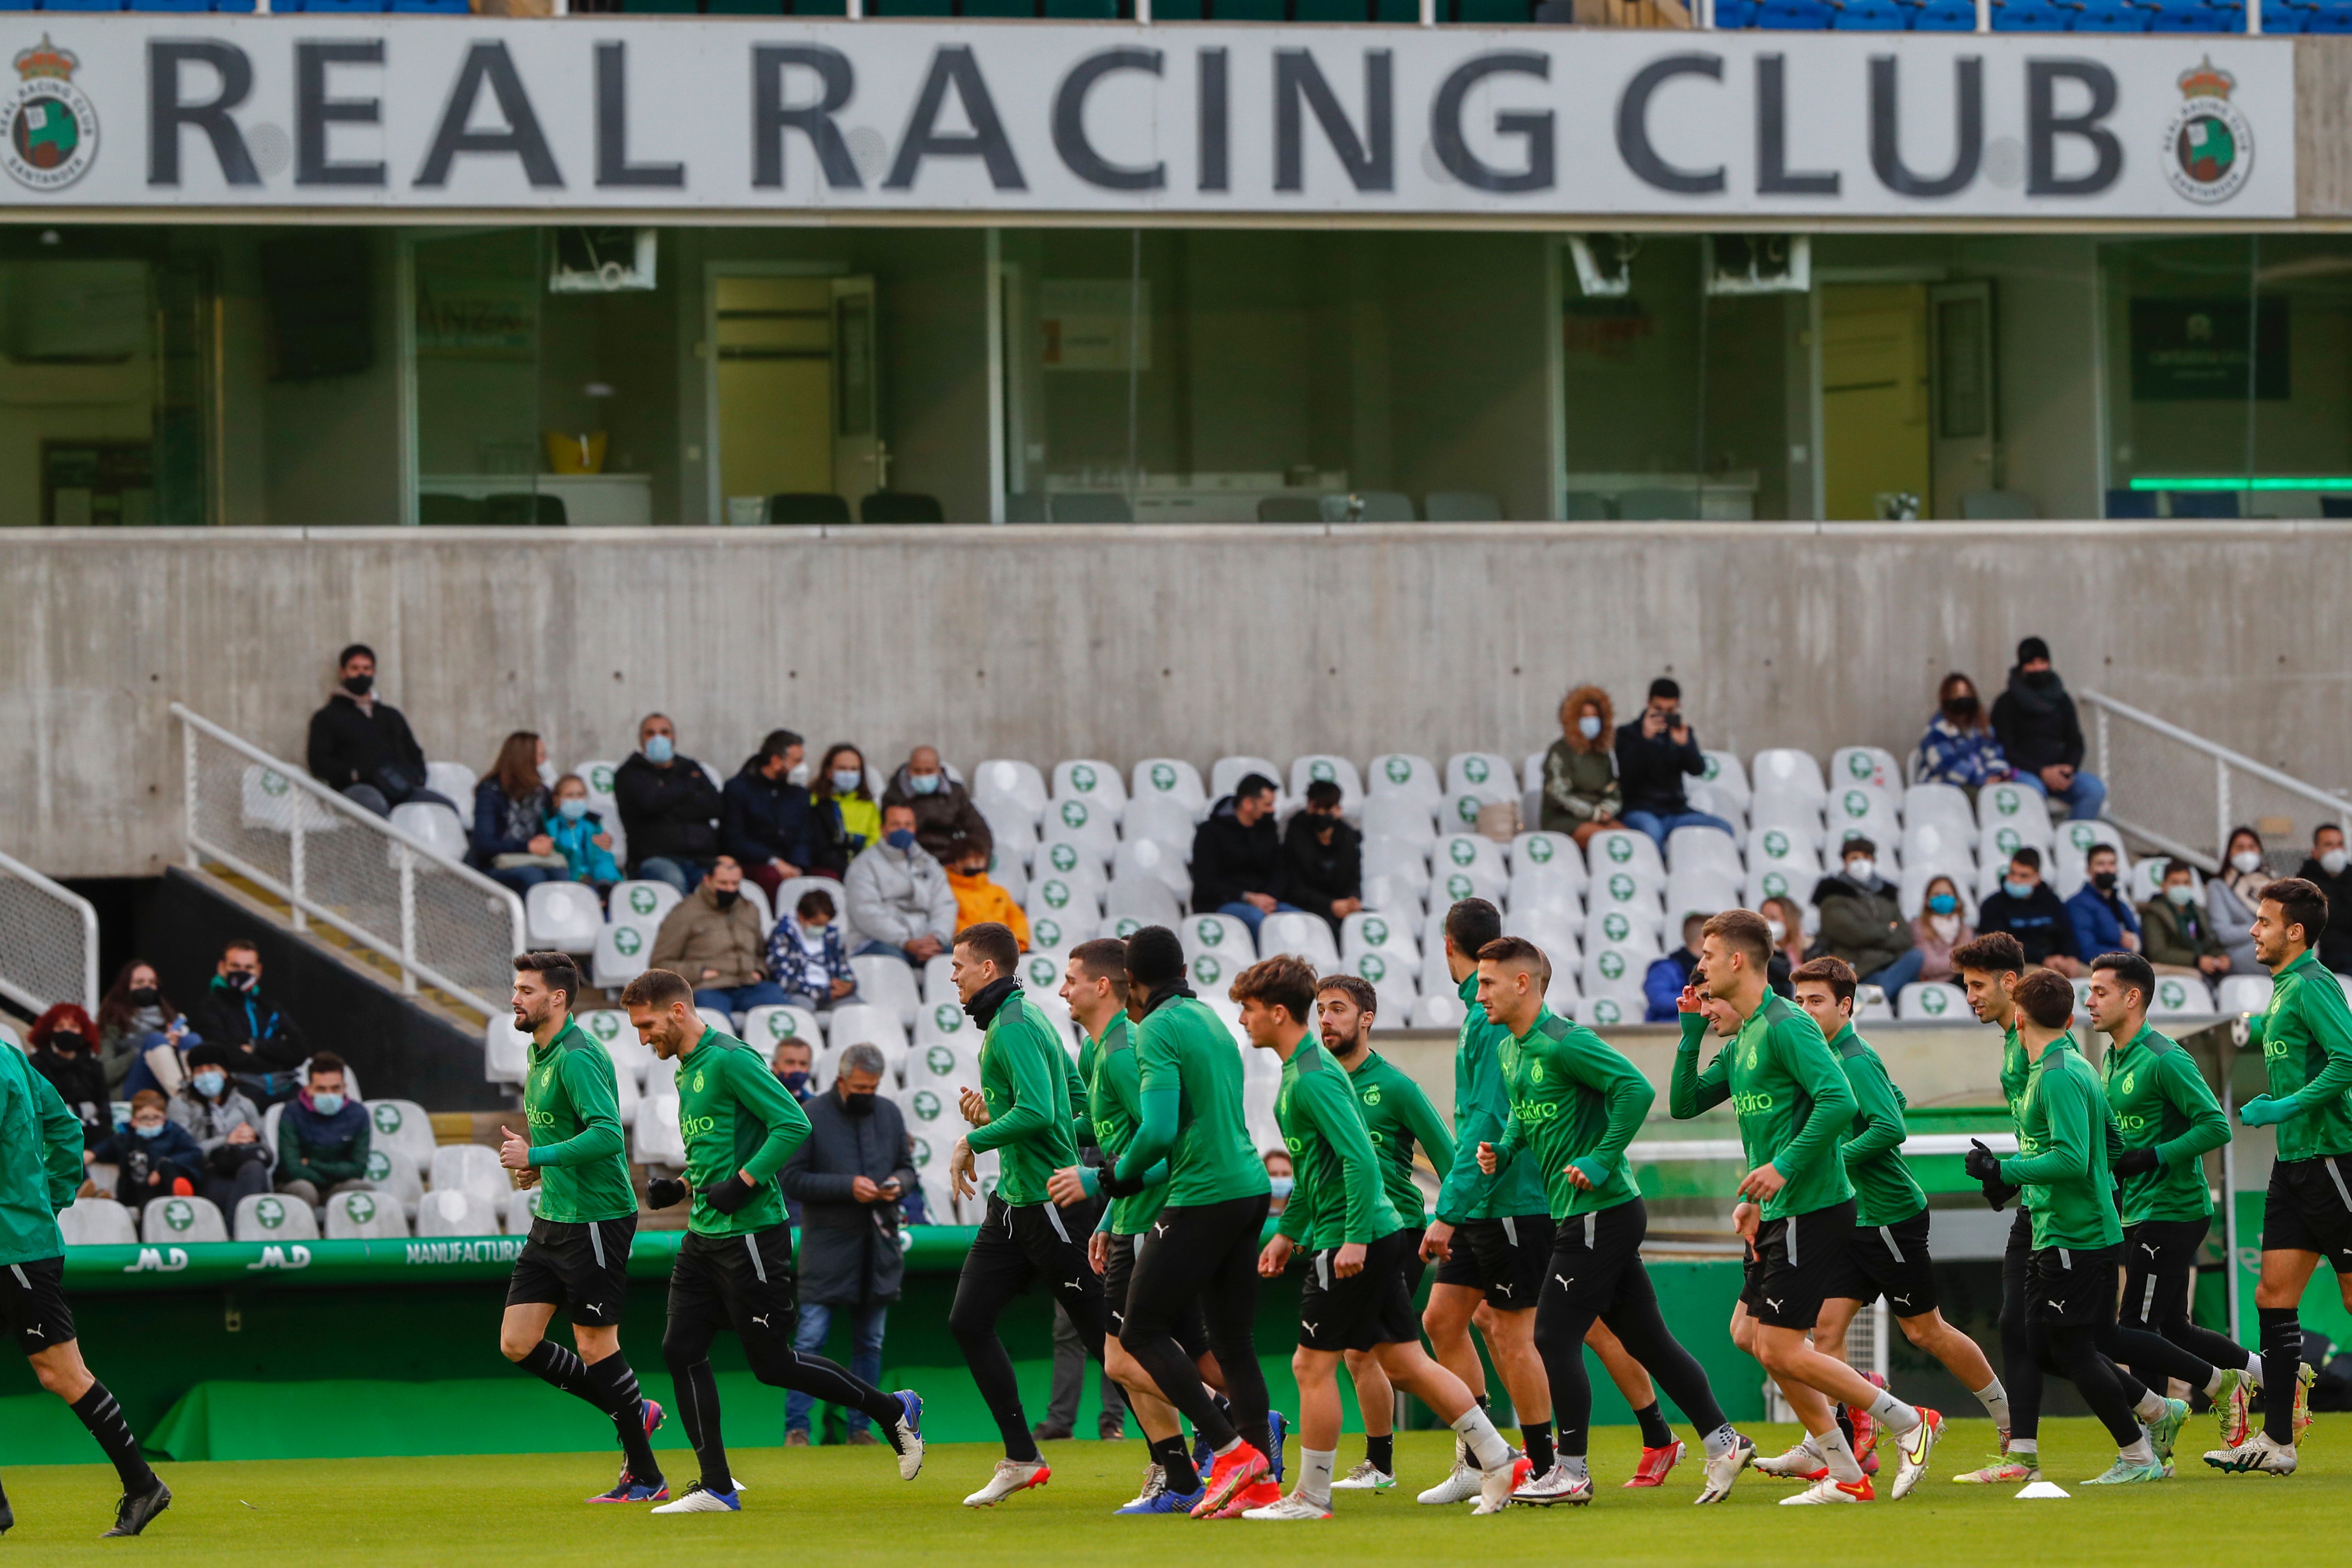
2183	793
437	919
49	942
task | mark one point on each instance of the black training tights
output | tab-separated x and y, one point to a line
2072	1352
1204	1252
685	1350
2021	1373
1016	1245
1634	1319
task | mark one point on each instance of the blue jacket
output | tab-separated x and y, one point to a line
576	842
495	815
174	1153
793	967
762	820
2100	921
1663	983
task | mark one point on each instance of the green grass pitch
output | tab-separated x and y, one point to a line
847	1506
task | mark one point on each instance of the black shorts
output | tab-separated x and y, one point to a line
2309	1208
1034	1241
1118	1273
2072	1288
1889	1260
1505	1257
1413	1265
2160	1260
583	1267
1371	1307
1796	1259
33	1304
1590	1254
739	1282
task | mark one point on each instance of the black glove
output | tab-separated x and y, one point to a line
2134	1163
1108	1186
1997	1194
663	1192
1982	1163
731	1195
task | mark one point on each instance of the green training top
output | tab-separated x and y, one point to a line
1336	1196
1788	1092
1573	1097
1481	1108
2062	1158
735	1117
1114	1100
1024	1076
1396	1113
2307	1039
1883	1190
572	1100
2160	1102
1185	1050
40	1162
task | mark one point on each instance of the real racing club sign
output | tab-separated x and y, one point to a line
832	118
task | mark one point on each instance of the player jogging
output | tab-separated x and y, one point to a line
1095	984
1203	1246
734	1268
1023	1110
1575	1105
1888	1254
578	1254
2168	1121
2061	1163
1357	1245
40	1170
2305	1033
1793	1107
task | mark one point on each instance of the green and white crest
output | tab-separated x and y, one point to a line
642	901
1399	770
948	1019
1540	850
1474	769
179	1213
1461	850
1612	963
1082	779
1606	1010
1065	858
1211	932
626	941
1163	777
1074	814
1615	926
1620	848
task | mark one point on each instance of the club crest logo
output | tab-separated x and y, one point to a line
606	1027
2004	802
1065	858
1082	779
1210	932
273	784
926	1105
1207	970
2173	994
1459	887
1776	845
2007	840
1857	802
1163	778
1399	770
1620	848
1057	894
599	778
2083	836
941	1060
1620	888
781	1026
1125	926
1460	851
1466	806
626	941
1047	933
1371	968
1615	926
379	1165
179	1213
1074	814
52	132
1605	1011
1714	769
1933	1003
270	1213
1474	769
1376	932
1320	772
360	1207
642	901
387	1118
2208	143
1858	764
1041	973
1775	884
1611	965
1541	850
919	1153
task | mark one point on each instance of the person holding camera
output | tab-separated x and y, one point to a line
226	1127
1656	752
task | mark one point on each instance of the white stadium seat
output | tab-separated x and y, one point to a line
1459	812
1446	1012
522	1208
1218	933
1098	783
1227	773
1145	900
1318	767
102	1222
2245	993
1405	817
1301	936
1473	852
1041	972
1607	1012
1625	931
1391	987
1055	932
1622	892
396	1176
1012	829
1015	784
267	1217
646	901
712	1019
506	1052
2179	996
1086	825
1169	779
1076	894
1865	811
1486	774
1152	858
1940	802
610	1028
474	1168
367	1216
855	1024
1707	891
939	980
887	983
789	891
1941	845
1623	849
2003	839
2015	803
1779	771
1401	774
598	777
1401	860
622	951
1864	765
765	1028
1160	820
1726	775
654	1138
1799	820
1557	934
1933	1001
945	1023
1214	971
564	917
452	781
1703	849
273	803
1372	930
436	826
459	1210
402	1124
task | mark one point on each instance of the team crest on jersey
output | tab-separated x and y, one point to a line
51	123
1372	1095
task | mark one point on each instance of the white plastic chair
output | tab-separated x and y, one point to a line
712	1019
1013	828
1728	776
473	1168
402	1124
1165	820
1784	772
436	825
2246	993
1151	860
1864	809
1870	766
939	980
1016	784
97	1222
1373	931
1406	774
1301	936
887	983
2016	805
644	902
879	1027
273	803
654	1138
564	917
459	1210
1408	818
1486	774
1226	774
1622	849
506	1053
1169	779
1444	1012
267	1217
1933	1001
1939	803
396	1176
1219	934
453	781
1052	932
1214	971
1624	893
1087	826
1098	783
2179	996
610	1028
1604	1012
1401	860
1698	848
522	1208
1559	935
1145	900
1321	767
765	1028
364	1217
1709	891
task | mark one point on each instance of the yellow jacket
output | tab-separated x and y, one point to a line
977	900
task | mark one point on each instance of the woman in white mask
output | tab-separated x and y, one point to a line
1941	925
1581	796
2231	897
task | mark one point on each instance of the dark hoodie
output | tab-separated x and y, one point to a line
1865	926
945	822
242	1022
2034	722
1316	872
1229	859
762	819
80	1082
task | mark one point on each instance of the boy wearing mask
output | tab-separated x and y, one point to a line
579	836
156	1160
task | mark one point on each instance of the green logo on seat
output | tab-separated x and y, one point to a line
1399	770
603	1026
1082	779
1933	1002
1074	814
1467	808
379	1165
2175	995
926	1105
938	1058
920	1152
600	779
1459	887
1049	933
642	901
1370	966
272	784
360	1207
1064	857
1474	769
1042	972
2083	836
1622	888
270	1213
1615	926
1607	1012
1376	932
1713	768
387	1118
947	1018
2005	801
1776	845
2007	840
1611	965
1207	970
1057	892
1776	886
1321	771
1856	804
179	1213
1620	847
780	1024
626	941
1859	764
1460	851
1126	926
1211	932
1540	850
1163	777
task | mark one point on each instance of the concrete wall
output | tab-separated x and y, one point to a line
1118	644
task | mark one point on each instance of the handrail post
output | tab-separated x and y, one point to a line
296	867
407	921
2106	763
188	796
2222	809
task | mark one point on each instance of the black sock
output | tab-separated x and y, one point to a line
613	1389
2281	1331
1380	1452
1483	1405
697	1408
103	1416
1844	1421
1175	1458
559	1368
1656	1433
1535	1437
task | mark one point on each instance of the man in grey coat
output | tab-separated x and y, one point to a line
898	897
848	1177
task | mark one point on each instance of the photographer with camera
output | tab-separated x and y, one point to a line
1655	752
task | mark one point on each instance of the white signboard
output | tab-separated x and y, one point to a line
589	115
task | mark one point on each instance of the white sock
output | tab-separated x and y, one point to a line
2213	1383
1811	1445
1893	1415
2141	1452
1487	1445
1720	1441
2151	1407
1833	1449
1315	1475
2254	1368
1995	1399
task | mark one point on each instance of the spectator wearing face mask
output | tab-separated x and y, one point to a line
2232	895
1579	771
1280	1176
2105	921
2178	932
152	1158
849	1177
1960	747
264	1045
714	939
806	957
945	822
323	1137
765	820
226	1127
848	818
669	808
577	834
360	746
140	1033
1323	857
1237	864
899	901
1786	924
2027	908
63	1046
979	897
1941	925
2330	870
1863	923
2039	734
794	1064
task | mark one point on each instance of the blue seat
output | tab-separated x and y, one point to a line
2202	503
1796	16
81	4
2122	502
434	7
168	6
2028	17
1730	13
2328	19
1873	16
1945	16
2189	19
2113	19
2284	20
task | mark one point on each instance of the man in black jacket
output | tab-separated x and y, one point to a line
669	809
847	1178
1655	752
2330	871
1323	857
361	745
263	1043
2035	723
764	818
2027	908
1238	866
945	822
